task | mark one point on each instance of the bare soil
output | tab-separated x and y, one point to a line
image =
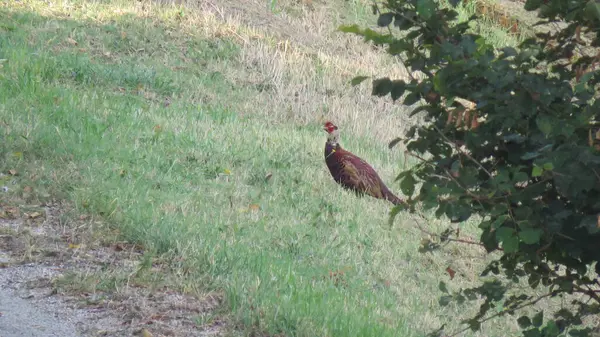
43	289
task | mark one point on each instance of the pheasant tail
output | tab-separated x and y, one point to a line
393	198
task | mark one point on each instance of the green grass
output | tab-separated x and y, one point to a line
158	119
486	27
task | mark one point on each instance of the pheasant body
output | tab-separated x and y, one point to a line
352	172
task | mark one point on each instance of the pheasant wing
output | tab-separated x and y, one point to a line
356	174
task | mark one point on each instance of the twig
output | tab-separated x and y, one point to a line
461	151
469	193
590	292
471	242
503	312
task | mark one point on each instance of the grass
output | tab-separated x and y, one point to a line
488	26
199	136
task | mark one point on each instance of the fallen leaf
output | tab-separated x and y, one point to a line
11	212
83	217
159	317
18	154
227	171
118	247
71	41
73	246
254	207
450	272
27	189
33	215
145	333
13	172
123	35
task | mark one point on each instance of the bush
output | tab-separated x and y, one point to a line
510	135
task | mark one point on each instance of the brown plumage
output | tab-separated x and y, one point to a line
352	172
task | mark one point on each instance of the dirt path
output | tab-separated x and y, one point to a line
27	315
51	283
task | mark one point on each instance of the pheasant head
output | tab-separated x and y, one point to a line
333	136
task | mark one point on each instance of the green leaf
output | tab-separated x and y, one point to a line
538	319
525	55
398	88
530	155
592	10
544	124
358	80
385	19
445	300
590	223
394	142
551	329
419	109
442	287
413	34
586	77
537	171
509	51
524	322
439	81
411	132
548	167
532	333
412	98
382	86
520	177
474	325
532	5
394	212
408	185
510	242
455	167
425	8
531	235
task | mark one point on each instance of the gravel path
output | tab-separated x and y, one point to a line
24	315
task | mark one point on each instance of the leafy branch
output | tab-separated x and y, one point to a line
524	156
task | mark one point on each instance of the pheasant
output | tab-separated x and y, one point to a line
352	172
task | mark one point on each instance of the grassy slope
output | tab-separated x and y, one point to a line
167	121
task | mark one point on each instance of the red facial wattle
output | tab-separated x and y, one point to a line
329	127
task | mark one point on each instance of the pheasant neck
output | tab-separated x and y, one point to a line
331	148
